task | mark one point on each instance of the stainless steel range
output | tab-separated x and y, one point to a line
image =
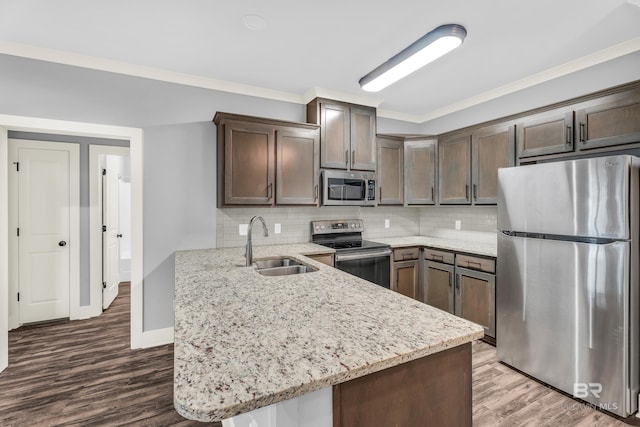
368	260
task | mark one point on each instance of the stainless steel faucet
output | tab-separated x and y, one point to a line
249	251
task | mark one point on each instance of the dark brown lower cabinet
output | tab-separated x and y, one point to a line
437	285
476	297
463	285
406	272
432	391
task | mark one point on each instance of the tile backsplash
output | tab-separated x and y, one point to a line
295	221
472	218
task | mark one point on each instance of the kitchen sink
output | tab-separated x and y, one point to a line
281	267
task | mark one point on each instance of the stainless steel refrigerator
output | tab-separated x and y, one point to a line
567	277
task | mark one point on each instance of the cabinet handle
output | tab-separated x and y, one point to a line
432	199
353	157
470	263
450	280
315	192
346	158
475	192
270	191
583	136
569	135
458	283
379	194
466	191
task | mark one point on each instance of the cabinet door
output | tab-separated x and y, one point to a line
334	136
406	277
249	163
614	120
546	133
492	148
437	285
390	171
455	171
420	172
363	138
297	166
476	298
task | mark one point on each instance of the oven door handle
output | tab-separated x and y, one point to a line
365	255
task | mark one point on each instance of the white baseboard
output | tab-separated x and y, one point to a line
157	337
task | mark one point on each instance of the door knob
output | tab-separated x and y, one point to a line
62	243
118	235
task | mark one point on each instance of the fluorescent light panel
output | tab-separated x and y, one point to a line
428	48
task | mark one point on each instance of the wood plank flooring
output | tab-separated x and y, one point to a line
505	397
83	373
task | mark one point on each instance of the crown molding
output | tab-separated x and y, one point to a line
102	64
604	55
119	67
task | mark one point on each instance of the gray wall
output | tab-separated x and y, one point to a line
602	76
83	142
179	207
179	150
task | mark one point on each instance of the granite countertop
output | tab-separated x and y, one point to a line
243	340
460	241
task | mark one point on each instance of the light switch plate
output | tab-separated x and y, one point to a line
458	224
277	229
387	223
242	229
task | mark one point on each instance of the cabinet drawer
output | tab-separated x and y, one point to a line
406	254
475	263
438	256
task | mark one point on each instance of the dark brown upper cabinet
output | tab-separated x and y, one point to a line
297	166
545	133
390	170
266	162
492	148
454	167
469	163
420	172
611	120
347	136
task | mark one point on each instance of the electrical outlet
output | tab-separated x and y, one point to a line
458	224
277	229
243	229
387	223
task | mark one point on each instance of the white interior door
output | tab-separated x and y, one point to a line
44	232
111	230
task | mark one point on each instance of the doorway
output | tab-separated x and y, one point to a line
44	212
60	127
110	218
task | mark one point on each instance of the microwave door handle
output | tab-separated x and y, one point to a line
367	255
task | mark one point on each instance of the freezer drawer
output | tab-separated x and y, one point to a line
563	317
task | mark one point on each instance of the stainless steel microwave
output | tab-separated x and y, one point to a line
348	188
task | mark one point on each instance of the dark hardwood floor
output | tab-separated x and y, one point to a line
83	373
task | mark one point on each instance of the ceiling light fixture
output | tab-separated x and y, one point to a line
427	48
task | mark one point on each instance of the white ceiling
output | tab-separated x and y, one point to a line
324	47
